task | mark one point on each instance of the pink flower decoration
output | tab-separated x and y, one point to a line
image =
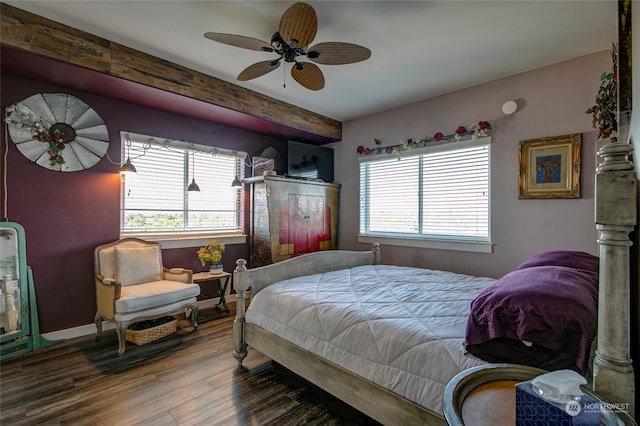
460	130
438	137
360	149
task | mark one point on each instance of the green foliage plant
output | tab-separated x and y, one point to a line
605	111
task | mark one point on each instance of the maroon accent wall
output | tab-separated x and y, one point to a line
66	215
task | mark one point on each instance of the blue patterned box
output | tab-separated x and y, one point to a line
532	410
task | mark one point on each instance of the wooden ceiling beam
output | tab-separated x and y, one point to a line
44	37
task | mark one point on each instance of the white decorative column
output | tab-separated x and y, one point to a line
615	212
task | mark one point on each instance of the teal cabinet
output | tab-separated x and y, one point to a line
19	328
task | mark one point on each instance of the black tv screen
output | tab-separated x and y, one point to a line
308	161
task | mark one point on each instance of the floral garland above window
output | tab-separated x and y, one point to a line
475	131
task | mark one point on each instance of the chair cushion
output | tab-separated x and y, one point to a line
136	265
154	294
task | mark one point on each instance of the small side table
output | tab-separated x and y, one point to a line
486	396
216	279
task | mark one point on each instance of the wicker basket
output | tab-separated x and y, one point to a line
146	335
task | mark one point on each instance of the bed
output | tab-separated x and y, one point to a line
394	366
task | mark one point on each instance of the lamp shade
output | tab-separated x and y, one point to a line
127	167
193	186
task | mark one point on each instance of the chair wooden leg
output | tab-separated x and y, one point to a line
121	330
194	316
98	320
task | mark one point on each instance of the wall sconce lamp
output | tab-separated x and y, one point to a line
237	182
128	167
193	186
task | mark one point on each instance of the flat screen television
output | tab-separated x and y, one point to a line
306	161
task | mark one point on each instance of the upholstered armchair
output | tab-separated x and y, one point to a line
132	285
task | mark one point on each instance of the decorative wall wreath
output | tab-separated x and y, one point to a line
57	131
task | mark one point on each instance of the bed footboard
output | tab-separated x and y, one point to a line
613	373
308	264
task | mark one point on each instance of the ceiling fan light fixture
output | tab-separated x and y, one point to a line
277	42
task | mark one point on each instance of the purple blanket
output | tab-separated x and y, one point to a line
552	307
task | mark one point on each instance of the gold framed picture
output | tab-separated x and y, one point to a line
550	167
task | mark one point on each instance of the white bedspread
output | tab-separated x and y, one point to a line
402	328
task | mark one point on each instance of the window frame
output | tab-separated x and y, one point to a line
467	244
183	238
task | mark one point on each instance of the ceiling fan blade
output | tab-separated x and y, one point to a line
337	53
240	41
309	76
258	69
300	23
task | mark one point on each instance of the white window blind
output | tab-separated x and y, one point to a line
155	200
439	193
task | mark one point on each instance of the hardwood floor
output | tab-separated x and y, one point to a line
182	379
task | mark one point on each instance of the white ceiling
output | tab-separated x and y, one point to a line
420	49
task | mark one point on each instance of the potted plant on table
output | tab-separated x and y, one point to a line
212	252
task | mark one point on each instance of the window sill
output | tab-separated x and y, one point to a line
189	240
477	247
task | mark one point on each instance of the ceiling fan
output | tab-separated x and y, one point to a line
298	27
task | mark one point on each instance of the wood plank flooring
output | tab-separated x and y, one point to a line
183	379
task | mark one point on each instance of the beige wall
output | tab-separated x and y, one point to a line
552	102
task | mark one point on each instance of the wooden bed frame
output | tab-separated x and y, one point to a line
613	377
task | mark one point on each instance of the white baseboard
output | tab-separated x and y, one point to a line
89	329
80	331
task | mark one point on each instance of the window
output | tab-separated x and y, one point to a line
155	200
436	196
